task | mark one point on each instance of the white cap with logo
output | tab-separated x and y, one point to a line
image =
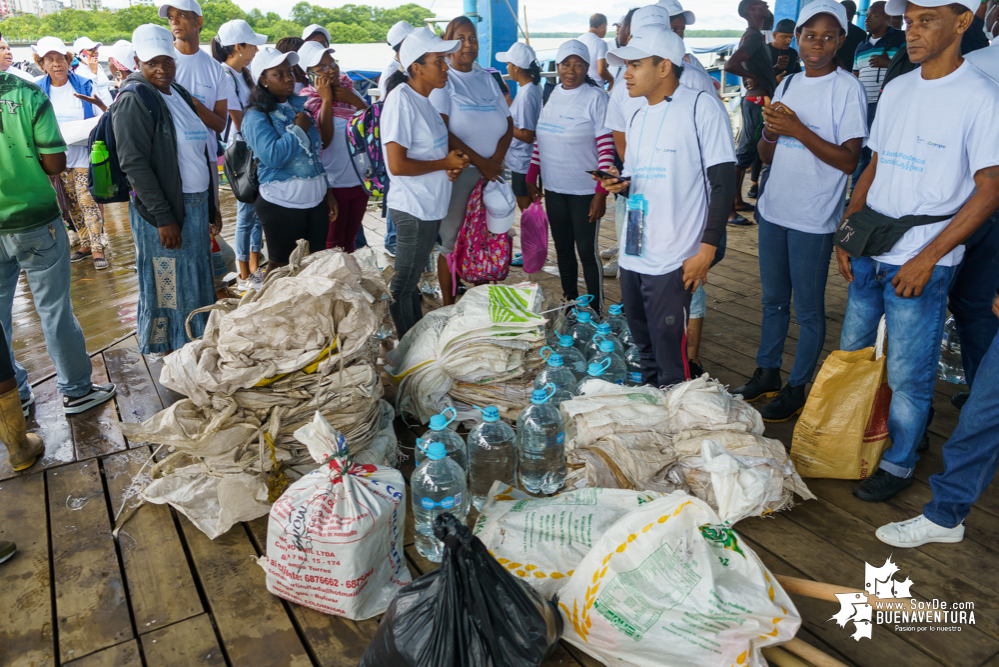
421	41
830	7
897	7
655	40
399	32
85	44
269	57
649	15
501	206
151	41
572	47
49	45
182	5
313	29
519	54
239	31
675	9
311	53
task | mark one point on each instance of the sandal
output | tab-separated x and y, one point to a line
746	208
79	256
100	263
518	260
740	221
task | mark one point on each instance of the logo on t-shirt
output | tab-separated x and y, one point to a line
928	142
11	105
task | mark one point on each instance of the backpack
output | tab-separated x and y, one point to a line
364	144
479	255
104	131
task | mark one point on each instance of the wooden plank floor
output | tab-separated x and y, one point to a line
162	594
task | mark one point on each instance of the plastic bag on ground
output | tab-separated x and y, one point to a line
334	539
534	237
703	403
542	540
470	612
671	584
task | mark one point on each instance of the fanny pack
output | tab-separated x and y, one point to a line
869	233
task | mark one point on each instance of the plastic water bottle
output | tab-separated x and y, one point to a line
100	160
594	370
617	321
582	331
603	333
557	374
492	456
951	367
616	371
438	486
439	432
583	306
572	358
633	359
626	338
541	444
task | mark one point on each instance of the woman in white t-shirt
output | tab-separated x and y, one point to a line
522	66
75	101
479	125
415	145
234	47
812	137
571	138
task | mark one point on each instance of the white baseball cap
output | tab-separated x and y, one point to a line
85	44
897	7
182	5
123	53
501	206
652	40
49	45
313	29
519	54
675	9
649	15
269	57
421	41
572	47
311	53
830	7
399	32
150	41
239	31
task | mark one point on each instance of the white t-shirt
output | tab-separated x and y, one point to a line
410	120
475	107
336	160
526	109
100	80
203	77
931	137
191	136
567	138
803	192
238	98
665	151
598	51
692	61
622	107
387	73
69	108
986	59
298	193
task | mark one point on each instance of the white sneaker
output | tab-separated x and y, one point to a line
610	252
917	532
245	285
257	278
610	269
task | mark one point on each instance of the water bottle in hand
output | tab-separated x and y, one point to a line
541	444
438	486
492	455
572	358
557	374
454	445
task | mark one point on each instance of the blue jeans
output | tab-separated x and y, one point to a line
793	262
360	241
971	454
915	326
390	236
43	254
972	293
249	231
865	152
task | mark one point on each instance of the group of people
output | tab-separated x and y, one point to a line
877	145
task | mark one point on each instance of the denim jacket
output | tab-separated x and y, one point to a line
282	151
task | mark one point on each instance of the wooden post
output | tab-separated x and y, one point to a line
527	33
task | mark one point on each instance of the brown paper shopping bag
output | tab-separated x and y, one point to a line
843	429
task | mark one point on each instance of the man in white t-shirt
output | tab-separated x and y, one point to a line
680	163
936	159
594	40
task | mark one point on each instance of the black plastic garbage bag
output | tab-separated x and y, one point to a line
470	612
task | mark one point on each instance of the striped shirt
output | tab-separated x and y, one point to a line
873	77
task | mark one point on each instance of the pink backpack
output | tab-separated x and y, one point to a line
479	255
534	237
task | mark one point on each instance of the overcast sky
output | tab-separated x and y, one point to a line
542	15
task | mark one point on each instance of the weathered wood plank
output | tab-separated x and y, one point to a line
167	396
121	655
26	613
160	585
137	398
96	431
190	642
90	598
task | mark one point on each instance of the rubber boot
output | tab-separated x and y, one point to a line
23	448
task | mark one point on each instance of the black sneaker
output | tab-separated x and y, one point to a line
696	370
764	383
754	189
789	402
924	442
958	400
26	404
881	486
79	256
99	393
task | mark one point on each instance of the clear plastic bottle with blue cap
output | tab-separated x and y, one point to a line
557	374
541	444
617	321
582	331
633	358
572	358
582	305
438	486
603	333
439	432
596	369
616	371
492	455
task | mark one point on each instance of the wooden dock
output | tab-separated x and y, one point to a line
163	594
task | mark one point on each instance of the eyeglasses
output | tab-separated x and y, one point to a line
318	69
